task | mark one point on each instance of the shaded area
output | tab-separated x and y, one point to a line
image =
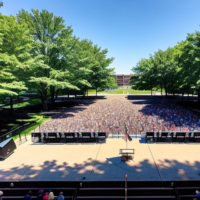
51	171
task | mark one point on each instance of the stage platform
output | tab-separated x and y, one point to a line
101	162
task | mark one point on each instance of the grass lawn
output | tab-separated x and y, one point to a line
120	91
31	127
31	102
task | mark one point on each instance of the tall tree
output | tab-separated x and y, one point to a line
15	56
50	35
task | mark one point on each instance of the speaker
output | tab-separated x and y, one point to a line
7	147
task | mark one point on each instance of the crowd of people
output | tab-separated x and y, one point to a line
114	113
45	195
42	194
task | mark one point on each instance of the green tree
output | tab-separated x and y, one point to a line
50	37
15	56
145	76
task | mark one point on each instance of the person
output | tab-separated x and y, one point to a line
40	195
1	194
60	197
11	184
46	196
197	196
51	196
28	196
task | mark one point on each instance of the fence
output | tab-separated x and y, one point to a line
20	131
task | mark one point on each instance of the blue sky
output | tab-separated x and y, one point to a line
129	29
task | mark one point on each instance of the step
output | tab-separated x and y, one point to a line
32	197
128	197
21	191
186	197
121	191
187	190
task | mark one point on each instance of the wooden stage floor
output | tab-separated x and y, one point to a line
101	162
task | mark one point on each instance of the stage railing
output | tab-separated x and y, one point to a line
20	131
68	137
173	136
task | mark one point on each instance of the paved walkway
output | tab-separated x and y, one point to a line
100	162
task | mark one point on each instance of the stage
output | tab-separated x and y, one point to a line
101	162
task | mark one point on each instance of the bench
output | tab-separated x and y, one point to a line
149	136
101	137
180	136
36	137
127	154
52	136
166	137
196	137
70	137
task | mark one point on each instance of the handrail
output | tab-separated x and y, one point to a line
126	187
14	129
75	193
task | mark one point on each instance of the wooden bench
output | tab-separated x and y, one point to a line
127	154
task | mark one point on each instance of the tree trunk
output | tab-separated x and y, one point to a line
18	97
57	93
42	99
188	93
11	105
52	95
151	91
165	90
96	91
45	107
182	94
161	89
68	95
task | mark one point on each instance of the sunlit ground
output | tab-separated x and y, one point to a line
101	162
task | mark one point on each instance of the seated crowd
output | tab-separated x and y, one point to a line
112	114
45	195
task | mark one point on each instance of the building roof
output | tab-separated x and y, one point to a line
122	74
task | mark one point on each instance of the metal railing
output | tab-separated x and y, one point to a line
20	131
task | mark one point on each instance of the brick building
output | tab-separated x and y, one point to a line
122	79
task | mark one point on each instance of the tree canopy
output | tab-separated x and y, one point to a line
39	53
175	69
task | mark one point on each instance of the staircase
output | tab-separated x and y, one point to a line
135	190
75	190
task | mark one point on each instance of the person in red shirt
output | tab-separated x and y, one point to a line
46	196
